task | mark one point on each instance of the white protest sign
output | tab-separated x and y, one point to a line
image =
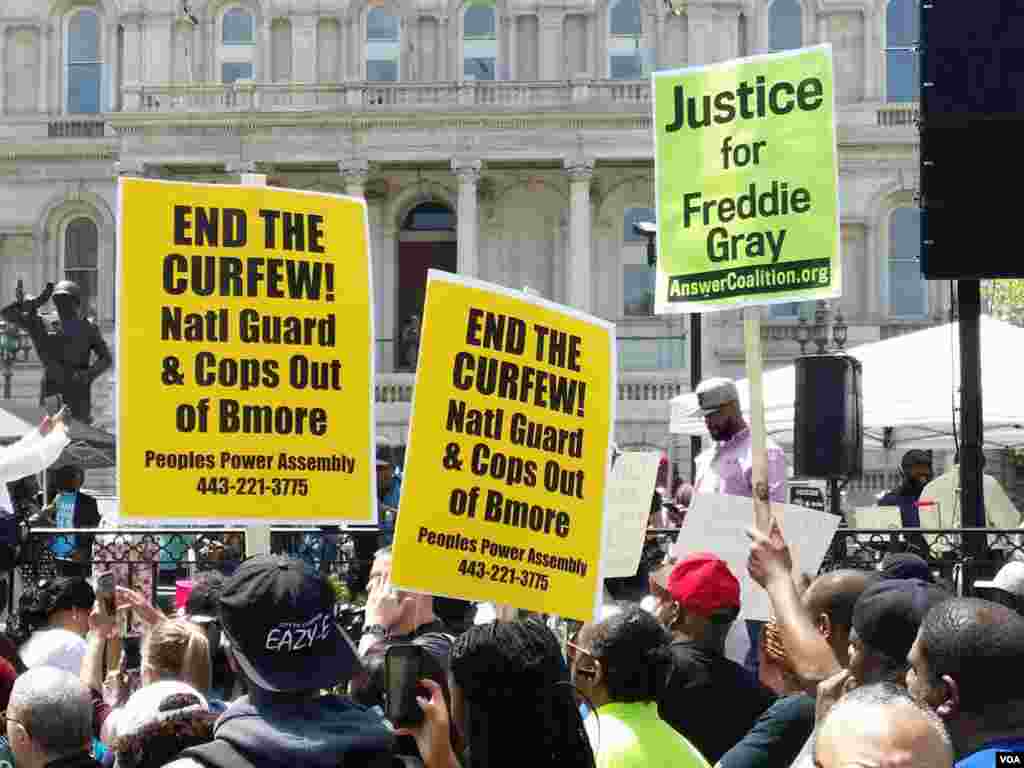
627	508
716	523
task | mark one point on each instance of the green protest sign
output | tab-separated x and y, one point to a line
746	179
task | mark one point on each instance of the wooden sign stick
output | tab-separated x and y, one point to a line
759	473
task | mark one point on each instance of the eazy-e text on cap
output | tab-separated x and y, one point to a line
291	636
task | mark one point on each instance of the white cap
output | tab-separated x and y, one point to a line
1009	579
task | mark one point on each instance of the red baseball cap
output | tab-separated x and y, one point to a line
703	584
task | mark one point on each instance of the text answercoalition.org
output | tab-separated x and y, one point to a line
743	281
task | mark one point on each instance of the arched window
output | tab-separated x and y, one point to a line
382	46
627	60
430	217
84	62
479	41
785	25
426	241
908	291
901	34
237	45
81	257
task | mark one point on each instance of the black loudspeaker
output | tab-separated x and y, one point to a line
972	121
828	436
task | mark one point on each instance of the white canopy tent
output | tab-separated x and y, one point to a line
910	387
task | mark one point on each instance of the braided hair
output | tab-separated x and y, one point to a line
520	699
38	604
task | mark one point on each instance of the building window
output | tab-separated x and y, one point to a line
637	290
238	46
637	277
430	217
84	63
908	295
479	42
793	310
81	258
650	354
232	71
901	35
382	46
627	60
785	25
238	27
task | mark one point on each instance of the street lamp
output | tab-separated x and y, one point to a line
819	331
649	231
678	7
10	344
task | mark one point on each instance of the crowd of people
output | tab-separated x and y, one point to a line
873	668
856	667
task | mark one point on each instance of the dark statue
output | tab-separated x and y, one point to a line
66	347
410	340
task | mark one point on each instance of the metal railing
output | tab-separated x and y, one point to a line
76	129
943	549
245	95
151	560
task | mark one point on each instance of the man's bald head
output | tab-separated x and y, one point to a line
830	600
881	726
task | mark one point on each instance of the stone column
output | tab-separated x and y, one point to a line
444	53
354	174
468	173
877	260
263	73
132	42
700	31
656	39
3	68
512	53
212	64
729	45
551	49
110	63
577	263
44	67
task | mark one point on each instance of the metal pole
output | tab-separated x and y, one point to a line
695	377
8	373
971	428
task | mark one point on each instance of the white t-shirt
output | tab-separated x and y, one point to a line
54	648
143	706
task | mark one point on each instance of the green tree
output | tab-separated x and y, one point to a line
1006	299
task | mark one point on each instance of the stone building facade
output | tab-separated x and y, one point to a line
505	139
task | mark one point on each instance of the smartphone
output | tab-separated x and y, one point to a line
105	592
132	653
402	670
53	404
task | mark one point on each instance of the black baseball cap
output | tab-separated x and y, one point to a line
278	615
906	565
889	613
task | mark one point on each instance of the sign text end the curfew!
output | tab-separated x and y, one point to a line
503	495
230	312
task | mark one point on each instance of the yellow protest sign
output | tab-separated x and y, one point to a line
503	496
746	178
245	355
